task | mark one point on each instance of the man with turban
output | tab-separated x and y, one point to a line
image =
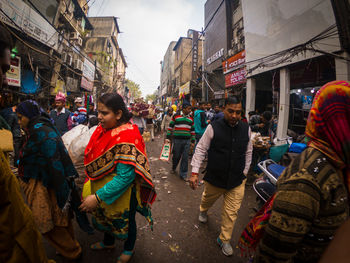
61	115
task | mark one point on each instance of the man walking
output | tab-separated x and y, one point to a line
229	148
200	121
61	115
181	128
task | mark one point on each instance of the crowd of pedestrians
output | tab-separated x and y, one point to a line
296	225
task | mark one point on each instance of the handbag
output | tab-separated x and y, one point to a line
6	140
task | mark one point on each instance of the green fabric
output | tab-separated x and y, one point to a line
118	185
3	124
277	152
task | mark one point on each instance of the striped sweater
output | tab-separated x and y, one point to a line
181	127
310	204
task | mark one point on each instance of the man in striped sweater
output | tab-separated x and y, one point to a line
181	130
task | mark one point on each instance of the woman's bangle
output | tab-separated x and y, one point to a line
97	198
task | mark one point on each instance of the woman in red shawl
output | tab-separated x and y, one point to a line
120	182
311	201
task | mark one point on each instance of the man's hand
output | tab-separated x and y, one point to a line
208	121
194	181
261	125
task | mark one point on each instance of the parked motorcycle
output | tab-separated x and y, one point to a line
265	186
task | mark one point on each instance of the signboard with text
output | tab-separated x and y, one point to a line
194	54
23	17
87	81
234	62
236	77
13	76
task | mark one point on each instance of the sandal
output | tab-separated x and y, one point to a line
101	246
125	257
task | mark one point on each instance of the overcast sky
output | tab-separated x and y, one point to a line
148	26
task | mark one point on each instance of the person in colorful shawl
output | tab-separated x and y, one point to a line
44	170
311	201
120	182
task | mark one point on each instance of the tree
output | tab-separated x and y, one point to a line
134	89
151	97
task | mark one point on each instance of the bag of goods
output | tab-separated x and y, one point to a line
74	133
146	136
165	153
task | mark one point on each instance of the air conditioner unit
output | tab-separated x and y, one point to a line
74	36
64	57
80	41
80	65
69	60
230	52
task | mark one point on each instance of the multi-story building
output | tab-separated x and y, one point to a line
102	46
52	59
167	74
224	44
290	55
187	64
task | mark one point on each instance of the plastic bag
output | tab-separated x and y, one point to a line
71	135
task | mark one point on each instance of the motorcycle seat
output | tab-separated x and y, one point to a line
275	169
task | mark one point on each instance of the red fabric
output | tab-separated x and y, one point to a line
328	125
103	140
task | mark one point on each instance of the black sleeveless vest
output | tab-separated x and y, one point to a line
226	154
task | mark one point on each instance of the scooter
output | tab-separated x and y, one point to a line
265	186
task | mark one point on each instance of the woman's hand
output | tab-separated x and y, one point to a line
89	204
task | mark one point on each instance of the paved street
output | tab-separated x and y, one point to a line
177	235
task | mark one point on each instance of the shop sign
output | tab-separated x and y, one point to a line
184	89
216	56
236	77
220	94
234	62
87	81
194	54
72	84
60	87
28	20
13	76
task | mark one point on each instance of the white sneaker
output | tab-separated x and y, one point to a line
203	217
226	247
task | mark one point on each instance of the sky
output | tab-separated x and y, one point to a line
148	27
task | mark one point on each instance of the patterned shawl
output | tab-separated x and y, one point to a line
328	128
43	157
328	125
124	144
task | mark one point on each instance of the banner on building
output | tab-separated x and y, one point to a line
194	54
23	17
184	89
13	76
234	62
60	87
236	77
87	81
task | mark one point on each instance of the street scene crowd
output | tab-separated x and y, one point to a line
89	172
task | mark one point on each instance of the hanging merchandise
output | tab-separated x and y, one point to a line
29	85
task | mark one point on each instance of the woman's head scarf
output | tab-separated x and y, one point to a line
29	108
328	125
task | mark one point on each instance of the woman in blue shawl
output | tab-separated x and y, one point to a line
45	169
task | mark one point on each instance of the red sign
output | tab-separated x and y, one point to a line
236	77
233	62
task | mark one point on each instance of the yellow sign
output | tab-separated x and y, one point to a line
59	87
184	89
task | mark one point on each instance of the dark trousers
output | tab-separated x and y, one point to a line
181	148
129	244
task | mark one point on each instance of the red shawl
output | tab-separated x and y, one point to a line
124	144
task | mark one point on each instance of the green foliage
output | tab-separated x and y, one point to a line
134	88
151	97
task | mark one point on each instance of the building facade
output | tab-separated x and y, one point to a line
167	75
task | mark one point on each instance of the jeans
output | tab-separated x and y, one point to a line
181	149
129	244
